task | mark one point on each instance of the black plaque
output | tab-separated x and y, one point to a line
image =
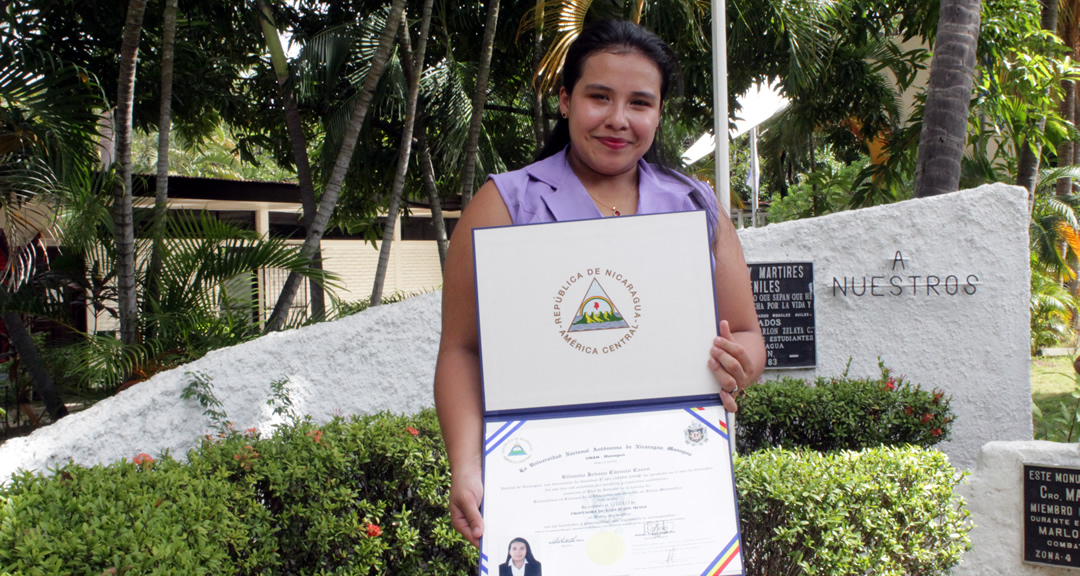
784	298
1052	516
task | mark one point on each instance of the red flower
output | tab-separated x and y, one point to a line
412	430
373	530
937	397
890	384
926	418
935	432
142	458
316	435
252	431
909	410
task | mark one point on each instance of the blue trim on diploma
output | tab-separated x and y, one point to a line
490	444
714	427
600	408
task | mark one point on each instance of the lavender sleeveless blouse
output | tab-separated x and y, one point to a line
549	191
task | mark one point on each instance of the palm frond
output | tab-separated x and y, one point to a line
566	18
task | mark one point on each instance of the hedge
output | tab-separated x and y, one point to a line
886	511
841	414
369	495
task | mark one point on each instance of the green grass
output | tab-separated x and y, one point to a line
1052	382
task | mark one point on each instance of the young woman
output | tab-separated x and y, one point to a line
601	161
519	560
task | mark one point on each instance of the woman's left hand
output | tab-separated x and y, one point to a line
731	365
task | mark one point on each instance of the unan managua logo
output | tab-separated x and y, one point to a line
598	324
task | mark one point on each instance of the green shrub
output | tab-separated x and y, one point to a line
369	495
841	414
155	517
883	511
365	495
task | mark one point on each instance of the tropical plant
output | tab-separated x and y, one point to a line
822	191
1053	307
123	215
46	131
332	190
207	299
413	65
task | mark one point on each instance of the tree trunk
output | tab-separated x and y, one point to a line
161	196
941	142
341	165
127	299
1027	162
539	124
43	382
427	170
295	129
483	70
1065	150
413	68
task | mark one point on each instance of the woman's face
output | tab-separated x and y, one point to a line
517	552
613	112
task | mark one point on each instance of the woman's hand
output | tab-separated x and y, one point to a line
731	365
466	494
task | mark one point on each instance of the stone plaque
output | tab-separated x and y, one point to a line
1051	519
784	298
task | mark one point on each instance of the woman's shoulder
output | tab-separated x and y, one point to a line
521	189
548	170
682	191
672	178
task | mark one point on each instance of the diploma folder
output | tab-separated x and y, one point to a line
606	448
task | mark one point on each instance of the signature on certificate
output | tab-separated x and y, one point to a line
565	539
659	528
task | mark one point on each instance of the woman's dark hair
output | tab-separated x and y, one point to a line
618	36
528	550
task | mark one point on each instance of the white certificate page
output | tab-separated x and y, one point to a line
595	311
641	493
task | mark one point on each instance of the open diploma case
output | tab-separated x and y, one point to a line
605	443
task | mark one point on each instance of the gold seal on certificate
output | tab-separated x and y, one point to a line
606	450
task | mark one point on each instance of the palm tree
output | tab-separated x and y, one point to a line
295	129
944	128
47	125
1027	163
122	209
161	196
413	64
483	69
344	157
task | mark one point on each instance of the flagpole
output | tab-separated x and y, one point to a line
755	178
720	104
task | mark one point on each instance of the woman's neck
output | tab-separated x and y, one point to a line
607	190
518	564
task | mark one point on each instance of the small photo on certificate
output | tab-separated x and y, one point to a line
642	493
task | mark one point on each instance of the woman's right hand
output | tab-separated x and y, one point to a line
466	494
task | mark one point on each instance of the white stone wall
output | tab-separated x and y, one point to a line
972	341
380	359
995	497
